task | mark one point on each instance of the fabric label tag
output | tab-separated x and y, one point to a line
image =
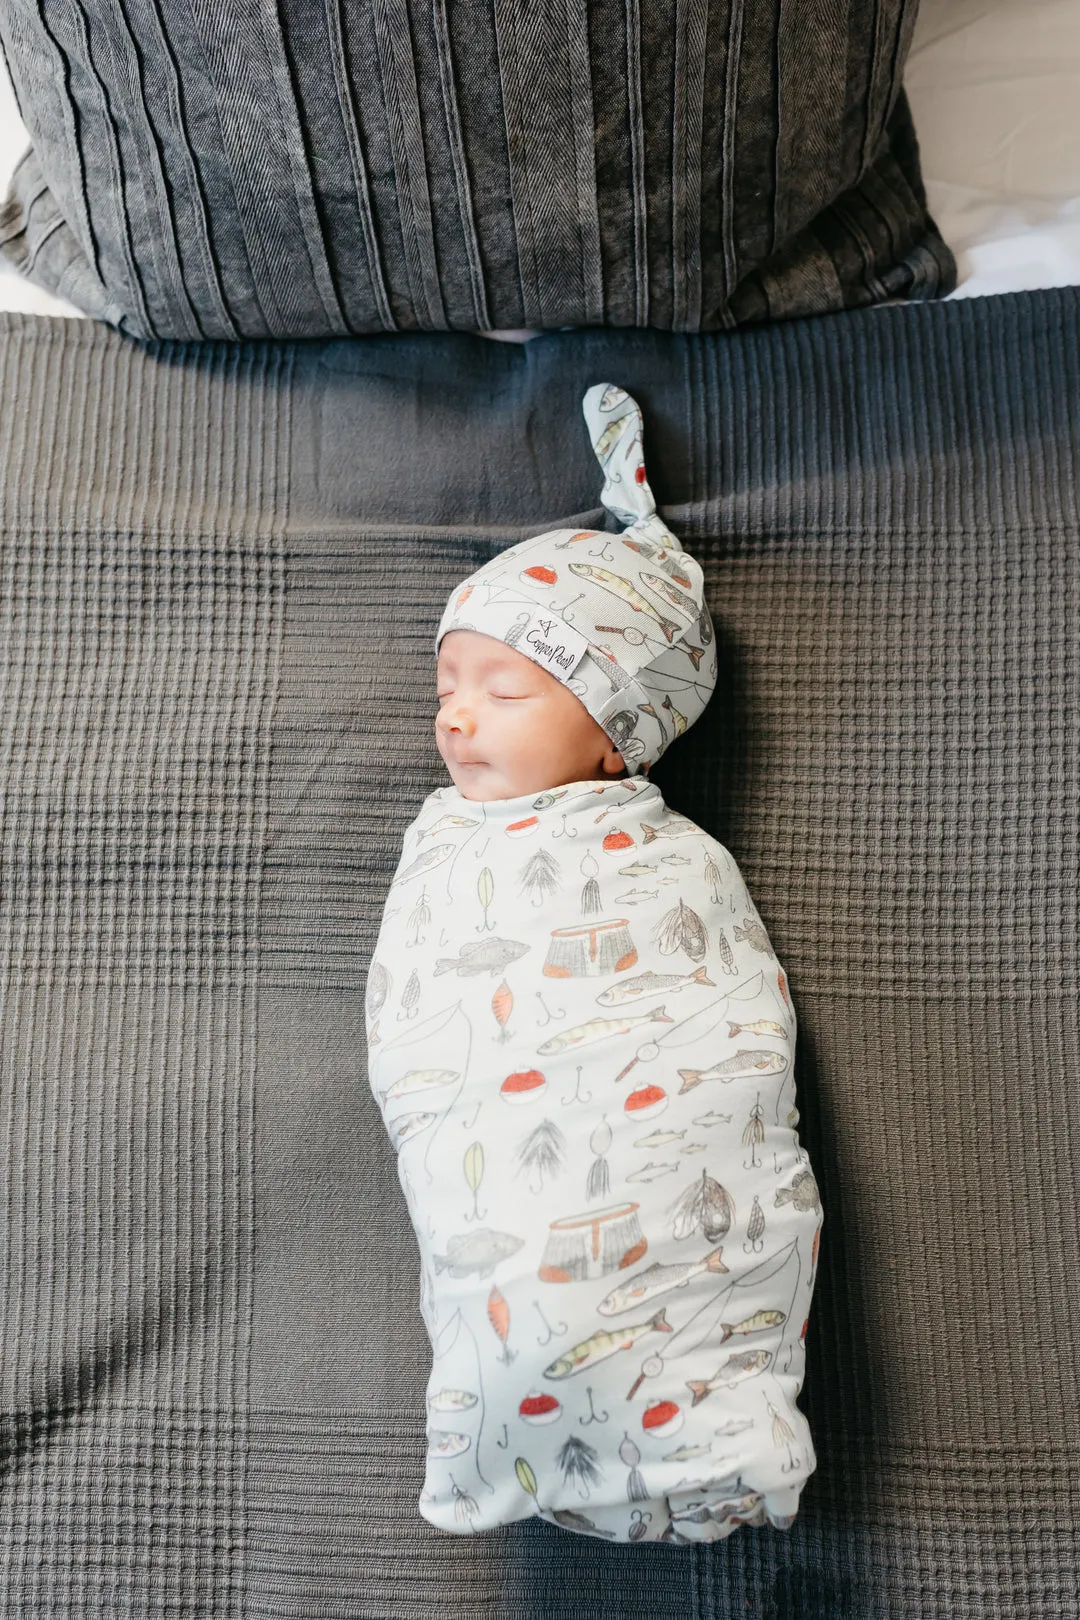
552	644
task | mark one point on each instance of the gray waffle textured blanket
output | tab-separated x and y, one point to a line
220	572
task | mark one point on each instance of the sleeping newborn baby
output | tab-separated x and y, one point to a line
583	1046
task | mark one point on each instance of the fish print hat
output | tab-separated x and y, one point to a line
618	618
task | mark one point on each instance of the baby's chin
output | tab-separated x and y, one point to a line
484	783
477	782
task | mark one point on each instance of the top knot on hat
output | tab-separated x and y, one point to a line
620	619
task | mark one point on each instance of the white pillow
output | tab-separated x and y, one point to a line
995	95
15	291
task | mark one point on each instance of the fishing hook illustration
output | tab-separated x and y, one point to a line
467	1125
579	1095
478	1214
564	612
444	938
604	552
505	1441
551	1016
551	1332
592	1418
565	832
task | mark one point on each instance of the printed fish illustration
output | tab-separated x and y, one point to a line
754	934
659	1139
739	1067
752	1324
735	1370
737	1507
639	869
409	1125
601	1344
572	1520
443	1444
425	863
652	984
763	1026
676	599
482	956
634	897
677	827
451	1400
419	1080
803	1192
377	990
444	824
678	719
652	1172
611	435
600	1029
686	1453
675	860
661	559
705	626
658	1279
546	800
613	395
712	1119
610	666
478	1252
618	586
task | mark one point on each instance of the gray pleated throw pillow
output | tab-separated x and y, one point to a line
319	167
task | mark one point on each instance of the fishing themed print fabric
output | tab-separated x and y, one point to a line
620	619
582	1044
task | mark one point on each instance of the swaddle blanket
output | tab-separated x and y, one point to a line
582	1044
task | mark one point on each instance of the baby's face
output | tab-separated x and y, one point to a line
506	727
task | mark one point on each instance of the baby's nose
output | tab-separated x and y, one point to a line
455	717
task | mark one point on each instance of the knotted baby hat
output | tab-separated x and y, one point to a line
618	618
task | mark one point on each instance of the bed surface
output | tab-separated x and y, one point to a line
994	87
223	568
